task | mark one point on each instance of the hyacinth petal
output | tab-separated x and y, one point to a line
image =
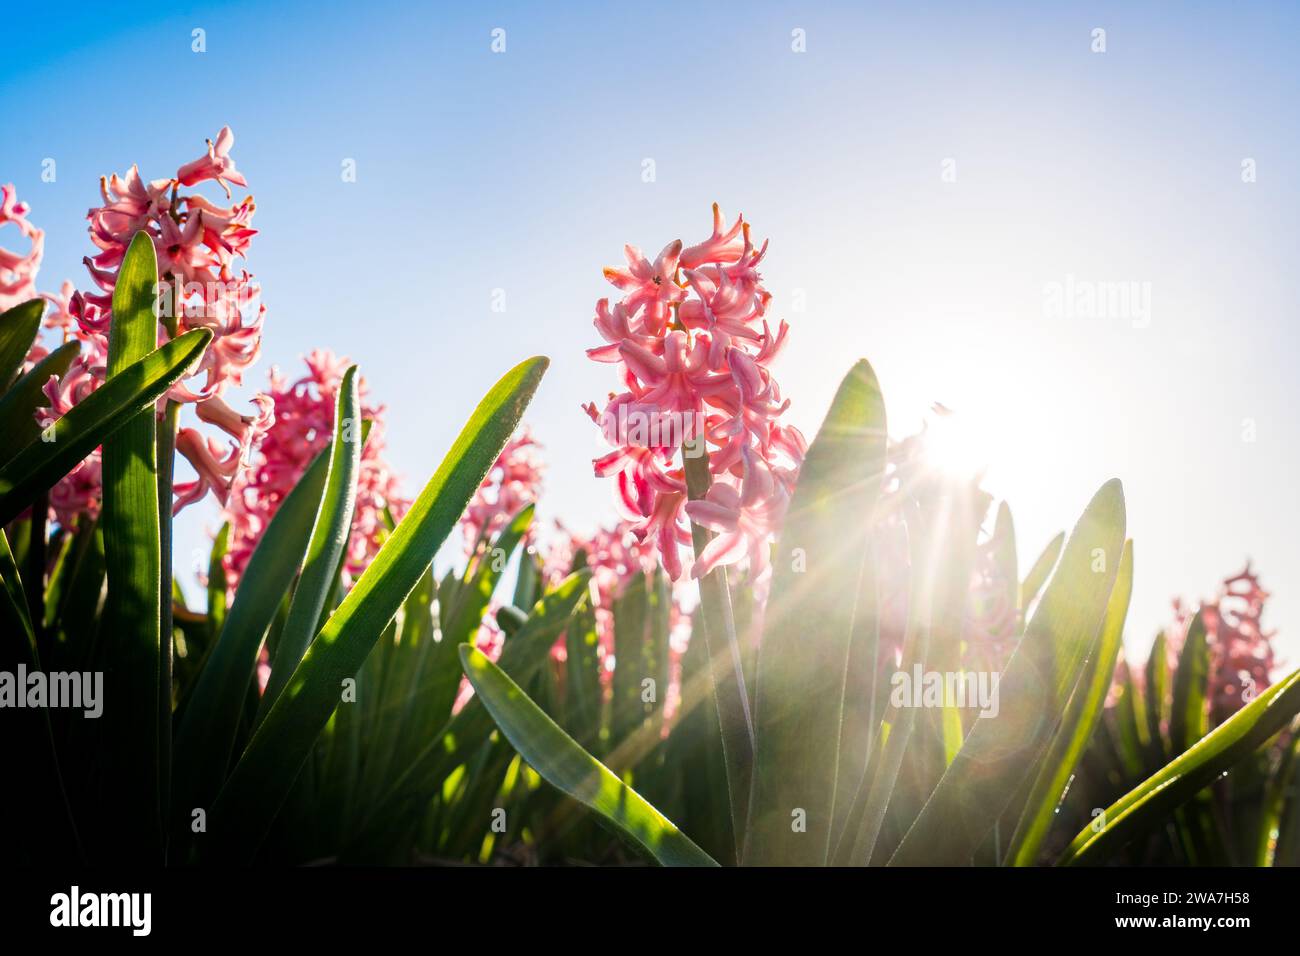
626	498
712	359
713	516
726	548
669	552
294	422
643	363
610	464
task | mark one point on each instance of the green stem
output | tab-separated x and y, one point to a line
166	470
34	573
728	677
166	478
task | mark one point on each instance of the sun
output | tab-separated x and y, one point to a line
953	446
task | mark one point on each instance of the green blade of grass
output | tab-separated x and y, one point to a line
804	655
562	762
262	779
1149	803
1077	728
1034	689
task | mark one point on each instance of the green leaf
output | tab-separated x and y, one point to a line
717	627
1042	567
34	799
19	327
524	654
1149	803
1077	727
890	744
1159	698
634	658
217	585
132	629
1033	693
1280	783
1189	720
206	735
74	436
864	710
329	539
266	772
567	767
803	657
18	406
19	647
460	615
582	707
79	608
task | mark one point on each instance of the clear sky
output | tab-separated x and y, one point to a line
522	171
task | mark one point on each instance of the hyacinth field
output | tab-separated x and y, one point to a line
788	649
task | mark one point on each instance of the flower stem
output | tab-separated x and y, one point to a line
34	574
166	469
166	456
728	677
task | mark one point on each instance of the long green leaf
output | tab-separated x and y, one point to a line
582	685
1280	783
460	612
1159	699
329	539
1042	567
1189	718
36	799
132	628
265	773
890	744
19	327
1076	729
567	767
717	627
206	735
1150	802
1033	693
74	436
803	658
18	406
522	657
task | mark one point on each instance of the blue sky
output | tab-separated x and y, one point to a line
522	171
